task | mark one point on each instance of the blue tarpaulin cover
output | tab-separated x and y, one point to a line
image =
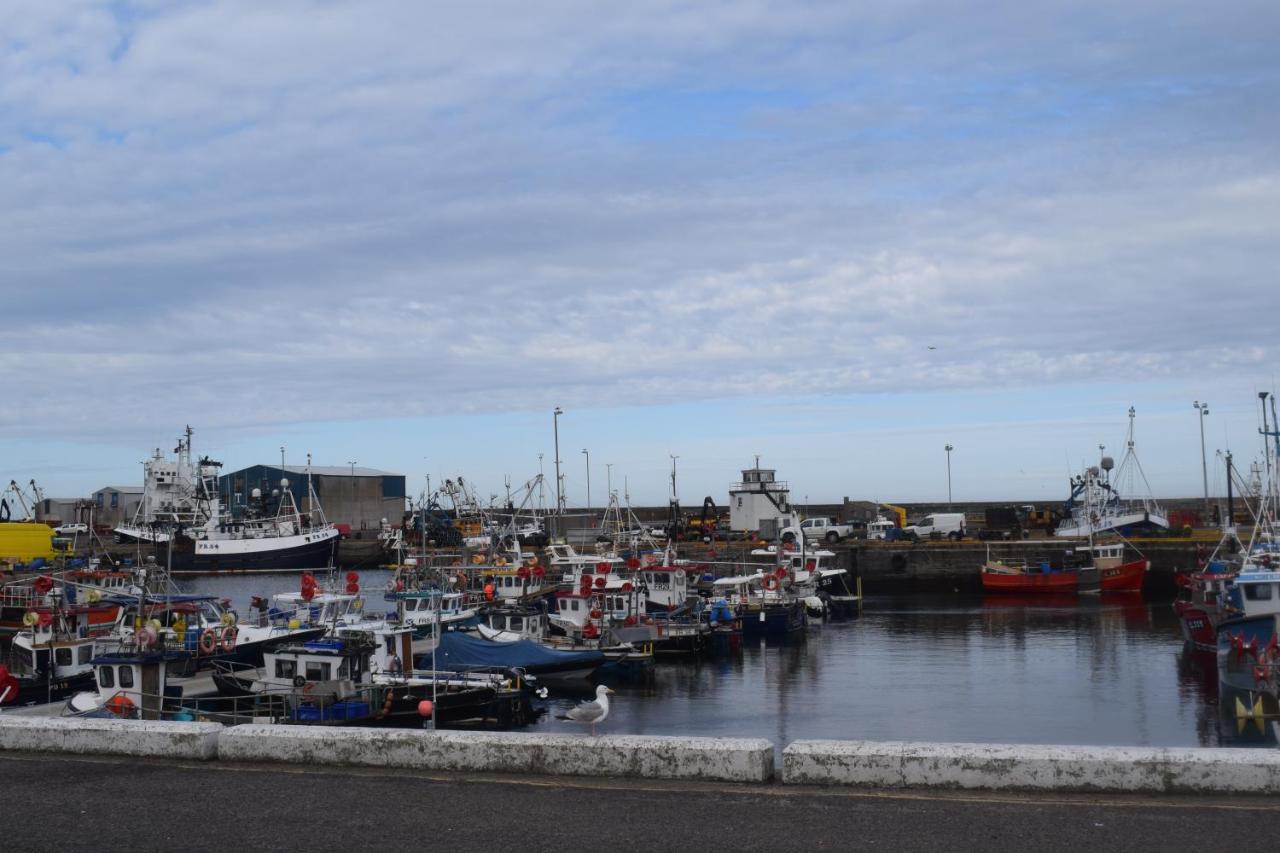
459	651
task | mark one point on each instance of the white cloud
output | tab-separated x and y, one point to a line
231	208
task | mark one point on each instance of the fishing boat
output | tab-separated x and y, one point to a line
1100	502
51	659
1201	596
765	603
37	594
822	586
365	676
1004	575
182	516
1247	633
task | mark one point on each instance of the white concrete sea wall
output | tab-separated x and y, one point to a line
721	759
895	764
110	737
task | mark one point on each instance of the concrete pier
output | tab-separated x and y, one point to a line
109	737
720	759
1028	767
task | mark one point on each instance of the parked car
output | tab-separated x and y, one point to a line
67	529
825	529
936	526
879	529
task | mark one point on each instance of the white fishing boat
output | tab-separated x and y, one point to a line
1101	501
181	513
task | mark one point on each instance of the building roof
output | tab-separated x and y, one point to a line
333	470
124	490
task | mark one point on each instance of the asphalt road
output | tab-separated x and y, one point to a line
68	803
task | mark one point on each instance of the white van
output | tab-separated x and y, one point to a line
948	524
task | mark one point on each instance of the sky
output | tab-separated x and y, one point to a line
837	235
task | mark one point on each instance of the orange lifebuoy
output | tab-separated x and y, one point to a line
208	641
229	638
770	583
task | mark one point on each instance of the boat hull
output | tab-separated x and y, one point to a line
1242	644
304	551
39	692
1127	577
774	620
1197	627
1043	583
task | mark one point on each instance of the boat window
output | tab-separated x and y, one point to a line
411	604
86	652
126	676
285	669
1257	591
516	623
575	604
62	657
317	671
342	669
106	677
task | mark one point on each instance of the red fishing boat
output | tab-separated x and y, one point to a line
1086	569
1018	576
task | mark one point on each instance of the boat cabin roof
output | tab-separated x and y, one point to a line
739	580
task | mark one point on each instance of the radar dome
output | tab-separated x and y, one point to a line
1108	463
1093	470
257	494
284	482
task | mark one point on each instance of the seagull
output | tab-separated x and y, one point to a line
590	712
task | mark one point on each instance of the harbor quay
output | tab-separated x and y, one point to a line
883	567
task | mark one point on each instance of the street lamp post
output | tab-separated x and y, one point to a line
588	455
555	425
352	463
608	481
1203	409
948	448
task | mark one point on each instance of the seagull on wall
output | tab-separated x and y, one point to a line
590	712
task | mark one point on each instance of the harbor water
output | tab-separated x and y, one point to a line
1095	670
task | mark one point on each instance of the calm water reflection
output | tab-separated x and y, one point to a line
1092	671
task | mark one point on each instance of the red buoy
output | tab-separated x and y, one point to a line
425	708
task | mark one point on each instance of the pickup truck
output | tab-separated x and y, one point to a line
825	529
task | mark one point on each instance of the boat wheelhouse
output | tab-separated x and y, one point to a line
508	623
51	659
